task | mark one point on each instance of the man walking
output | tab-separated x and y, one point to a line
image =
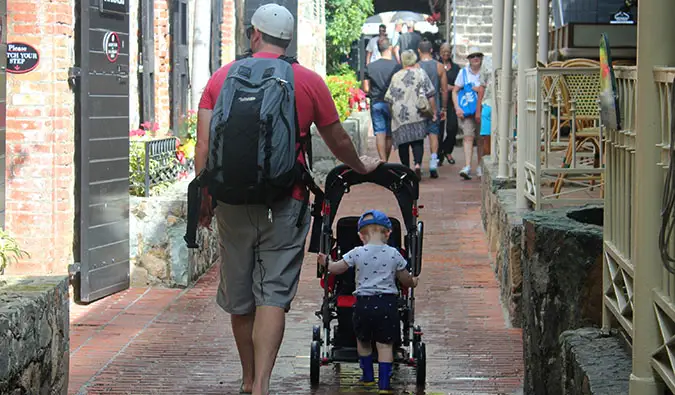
262	246
410	39
439	79
372	51
376	83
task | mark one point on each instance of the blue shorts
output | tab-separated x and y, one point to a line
434	127
486	121
379	113
376	318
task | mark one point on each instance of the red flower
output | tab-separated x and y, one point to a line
137	133
181	157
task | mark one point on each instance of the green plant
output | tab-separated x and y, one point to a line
9	250
340	88
344	19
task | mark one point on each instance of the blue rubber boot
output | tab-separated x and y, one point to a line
385	376
366	364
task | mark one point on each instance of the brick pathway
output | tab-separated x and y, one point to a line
152	341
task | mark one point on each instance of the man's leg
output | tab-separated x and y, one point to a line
268	332
275	282
381	142
235	294
242	328
468	126
433	145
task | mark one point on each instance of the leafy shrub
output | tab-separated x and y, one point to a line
9	250
346	93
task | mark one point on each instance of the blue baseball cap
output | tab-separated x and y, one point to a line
378	218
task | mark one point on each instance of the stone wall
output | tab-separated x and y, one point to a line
503	225
358	126
34	335
159	255
594	363
562	287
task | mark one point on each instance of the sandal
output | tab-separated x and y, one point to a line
450	159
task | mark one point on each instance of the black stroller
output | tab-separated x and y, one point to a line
338	301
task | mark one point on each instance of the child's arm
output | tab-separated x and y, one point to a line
338	267
406	279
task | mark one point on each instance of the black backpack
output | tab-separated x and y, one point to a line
254	129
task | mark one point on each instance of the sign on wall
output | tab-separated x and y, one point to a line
21	58
113	6
111	46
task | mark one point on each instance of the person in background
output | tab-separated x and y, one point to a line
410	39
449	127
438	78
409	126
395	38
469	124
377	79
372	52
485	112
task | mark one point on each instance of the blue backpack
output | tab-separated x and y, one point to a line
468	98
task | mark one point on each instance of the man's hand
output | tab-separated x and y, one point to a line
369	164
478	113
434	118
415	281
323	260
206	210
443	115
460	113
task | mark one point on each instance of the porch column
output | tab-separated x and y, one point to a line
527	50
505	83
543	32
653	23
497	30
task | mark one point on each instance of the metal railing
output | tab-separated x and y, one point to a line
619	271
559	168
511	154
154	163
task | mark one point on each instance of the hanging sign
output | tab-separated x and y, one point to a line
21	58
111	46
113	6
622	18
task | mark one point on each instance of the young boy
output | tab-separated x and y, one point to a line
376	311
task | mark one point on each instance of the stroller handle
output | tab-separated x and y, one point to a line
386	175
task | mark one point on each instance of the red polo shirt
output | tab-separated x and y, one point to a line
312	97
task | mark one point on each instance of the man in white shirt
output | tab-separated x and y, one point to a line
372	51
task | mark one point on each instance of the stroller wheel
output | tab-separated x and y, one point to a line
421	364
316	333
314	363
417	334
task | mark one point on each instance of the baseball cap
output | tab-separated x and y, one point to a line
376	218
274	20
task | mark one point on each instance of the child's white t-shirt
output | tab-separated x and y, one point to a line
376	267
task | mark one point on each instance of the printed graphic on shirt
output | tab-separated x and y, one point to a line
376	267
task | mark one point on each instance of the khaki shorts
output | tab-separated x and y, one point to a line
267	275
469	126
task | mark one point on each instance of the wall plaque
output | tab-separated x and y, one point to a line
21	58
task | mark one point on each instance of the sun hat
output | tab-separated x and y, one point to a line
475	51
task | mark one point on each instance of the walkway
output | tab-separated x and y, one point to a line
168	341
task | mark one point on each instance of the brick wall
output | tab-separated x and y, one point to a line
162	65
40	140
228	46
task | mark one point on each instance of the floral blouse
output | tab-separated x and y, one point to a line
407	124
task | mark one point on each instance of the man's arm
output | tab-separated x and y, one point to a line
444	85
368	55
340	144
202	146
